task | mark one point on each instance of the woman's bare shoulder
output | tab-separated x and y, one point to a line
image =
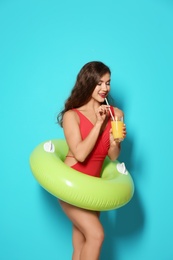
70	115
118	112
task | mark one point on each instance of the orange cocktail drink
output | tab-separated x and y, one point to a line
117	129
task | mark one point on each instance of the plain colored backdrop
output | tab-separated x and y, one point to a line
43	45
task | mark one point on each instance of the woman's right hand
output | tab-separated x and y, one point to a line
102	112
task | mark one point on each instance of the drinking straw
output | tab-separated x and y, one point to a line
110	110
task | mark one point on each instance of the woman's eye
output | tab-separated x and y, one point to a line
107	83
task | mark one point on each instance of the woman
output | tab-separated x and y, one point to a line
86	123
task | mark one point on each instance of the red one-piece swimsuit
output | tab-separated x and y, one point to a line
93	163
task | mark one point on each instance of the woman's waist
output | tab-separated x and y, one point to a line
94	157
92	167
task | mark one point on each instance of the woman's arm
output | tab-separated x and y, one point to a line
78	147
115	147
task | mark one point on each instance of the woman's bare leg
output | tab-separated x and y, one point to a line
78	243
88	232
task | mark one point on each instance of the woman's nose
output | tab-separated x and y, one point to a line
104	86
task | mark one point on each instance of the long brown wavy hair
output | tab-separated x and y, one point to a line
86	81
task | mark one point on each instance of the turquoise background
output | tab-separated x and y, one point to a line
43	44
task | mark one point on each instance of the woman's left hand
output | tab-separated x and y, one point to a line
124	131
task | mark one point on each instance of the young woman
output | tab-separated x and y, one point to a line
86	123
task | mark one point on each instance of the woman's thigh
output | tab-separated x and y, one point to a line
85	220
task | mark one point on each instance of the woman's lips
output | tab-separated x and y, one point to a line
103	95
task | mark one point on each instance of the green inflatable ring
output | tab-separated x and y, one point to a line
113	190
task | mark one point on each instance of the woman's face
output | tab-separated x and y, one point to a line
102	89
